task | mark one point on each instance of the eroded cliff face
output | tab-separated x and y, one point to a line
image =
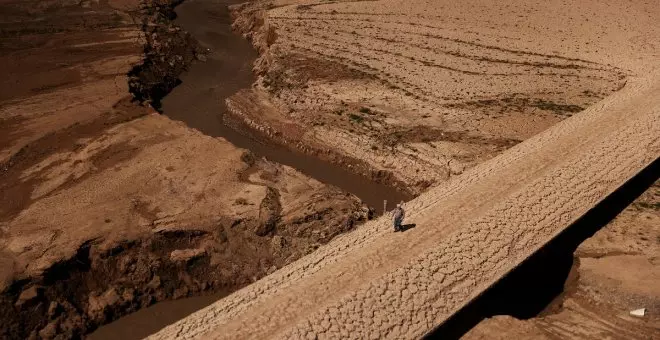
168	51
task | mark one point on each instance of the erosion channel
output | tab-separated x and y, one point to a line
199	101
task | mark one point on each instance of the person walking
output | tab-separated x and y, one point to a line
397	217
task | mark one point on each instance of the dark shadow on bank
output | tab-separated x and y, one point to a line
531	288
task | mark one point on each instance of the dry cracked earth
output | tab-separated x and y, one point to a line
509	119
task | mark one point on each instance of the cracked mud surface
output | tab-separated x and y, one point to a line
470	232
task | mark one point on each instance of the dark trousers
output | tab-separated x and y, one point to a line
397	223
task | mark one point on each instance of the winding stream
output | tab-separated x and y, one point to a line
199	101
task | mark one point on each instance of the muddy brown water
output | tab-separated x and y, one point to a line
150	320
199	101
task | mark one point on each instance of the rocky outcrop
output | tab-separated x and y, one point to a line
168	51
269	213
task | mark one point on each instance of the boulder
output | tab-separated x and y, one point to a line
28	295
98	303
49	332
185	255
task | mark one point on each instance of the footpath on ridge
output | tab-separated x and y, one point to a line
470	232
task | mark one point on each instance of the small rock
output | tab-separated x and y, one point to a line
33	336
277	242
71	324
49	332
271	270
185	255
638	312
455	167
154	283
126	264
128	295
180	292
54	309
98	304
28	295
348	223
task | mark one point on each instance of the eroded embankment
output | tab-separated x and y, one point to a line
246	111
98	285
168	52
72	296
227	68
391	93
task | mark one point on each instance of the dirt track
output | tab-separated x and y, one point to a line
469	232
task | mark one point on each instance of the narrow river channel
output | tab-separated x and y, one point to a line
199	101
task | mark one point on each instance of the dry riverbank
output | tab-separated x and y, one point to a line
417	92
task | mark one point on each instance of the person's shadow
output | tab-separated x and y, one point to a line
408	226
